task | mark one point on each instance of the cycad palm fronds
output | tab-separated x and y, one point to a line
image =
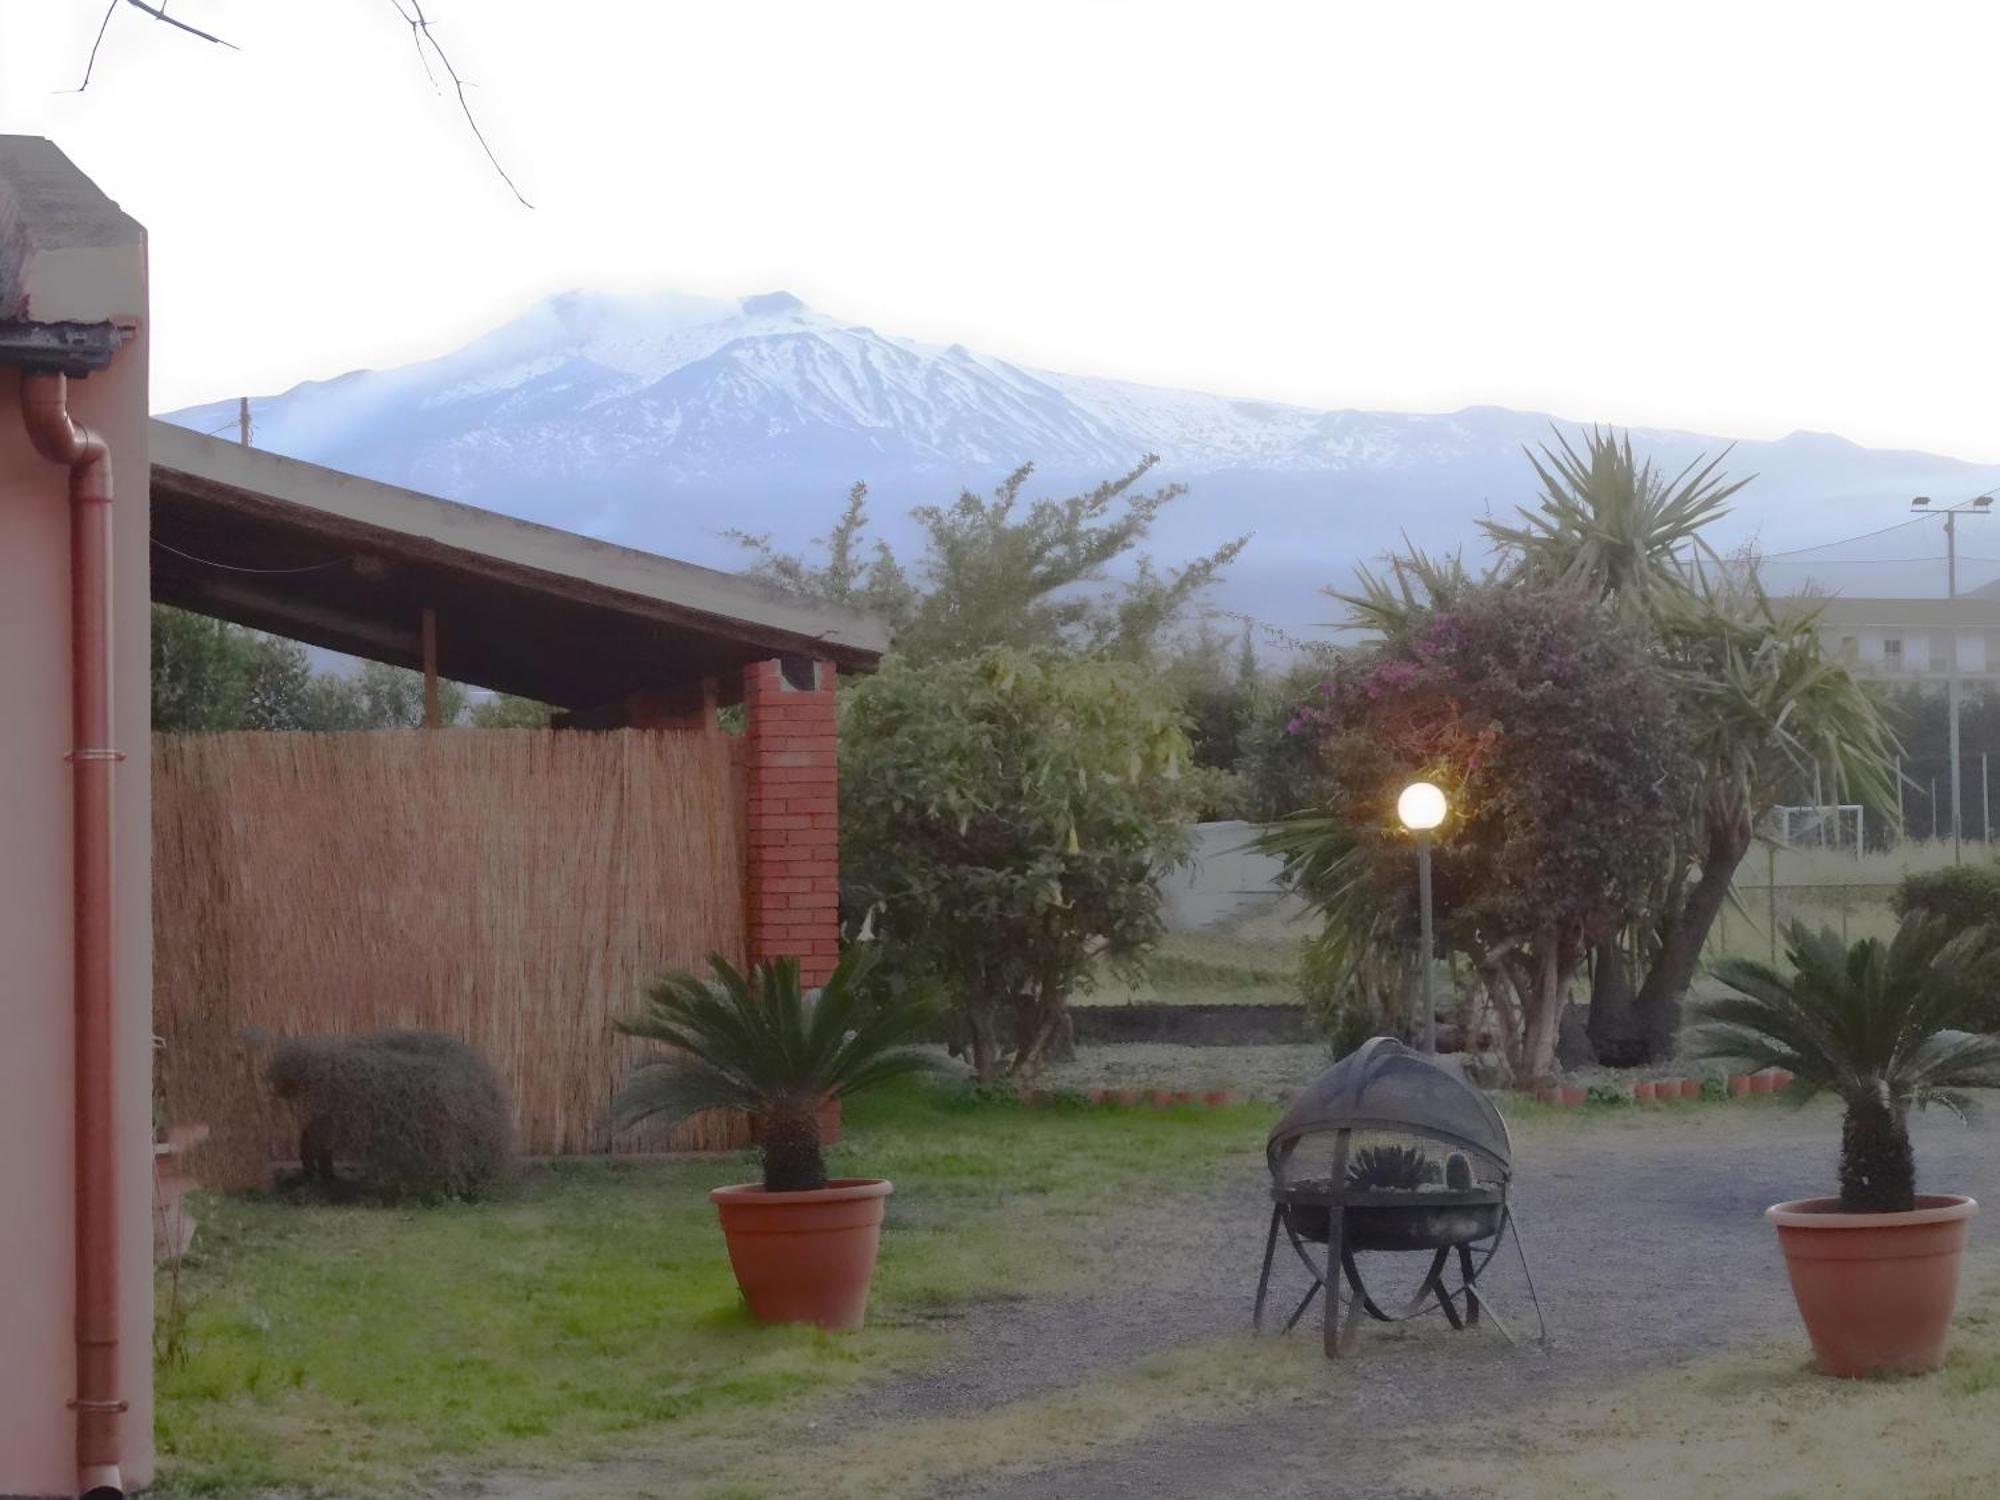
1611	522
1873	1023
759	1043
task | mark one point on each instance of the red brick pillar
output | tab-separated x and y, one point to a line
793	900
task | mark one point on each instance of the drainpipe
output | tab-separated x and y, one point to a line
99	1409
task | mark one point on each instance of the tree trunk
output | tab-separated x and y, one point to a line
1878	1175
792	1159
1615	1034
1541	1016
985	1049
1041	1020
1658	1004
1506	1015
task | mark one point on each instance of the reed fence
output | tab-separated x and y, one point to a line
513	888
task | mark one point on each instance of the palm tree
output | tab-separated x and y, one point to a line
762	1044
1611	523
1872	1024
1766	706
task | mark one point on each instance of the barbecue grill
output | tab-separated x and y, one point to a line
1387	1151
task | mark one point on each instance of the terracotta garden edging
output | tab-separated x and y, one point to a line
1664	1090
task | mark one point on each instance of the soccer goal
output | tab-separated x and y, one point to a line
1833	826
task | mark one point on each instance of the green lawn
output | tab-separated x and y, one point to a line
1259	966
356	1350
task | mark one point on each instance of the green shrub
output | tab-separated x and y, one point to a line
395	1115
1004	821
1608	1094
1962	895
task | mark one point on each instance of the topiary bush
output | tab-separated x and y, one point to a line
1963	896
395	1115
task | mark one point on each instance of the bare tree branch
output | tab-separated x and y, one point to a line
159	13
102	27
420	35
412	13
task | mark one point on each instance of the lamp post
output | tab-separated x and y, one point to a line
1977	506
1421	808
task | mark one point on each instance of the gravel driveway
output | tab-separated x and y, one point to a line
1647	1242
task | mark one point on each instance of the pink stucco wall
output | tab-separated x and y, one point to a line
74	264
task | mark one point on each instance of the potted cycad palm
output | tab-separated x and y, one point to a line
802	1244
1875	1269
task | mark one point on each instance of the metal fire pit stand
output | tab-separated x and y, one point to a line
1375	1115
1470	1222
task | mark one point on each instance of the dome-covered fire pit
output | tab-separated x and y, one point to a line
1387	1151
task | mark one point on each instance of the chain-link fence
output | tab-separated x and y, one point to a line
1754	923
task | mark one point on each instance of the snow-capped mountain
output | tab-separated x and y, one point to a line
664	421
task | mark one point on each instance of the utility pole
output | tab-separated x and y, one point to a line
1979	505
243	420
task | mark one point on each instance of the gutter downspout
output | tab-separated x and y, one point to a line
98	1406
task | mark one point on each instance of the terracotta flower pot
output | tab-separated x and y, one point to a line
1739	1085
1219	1098
804	1257
1760	1083
1548	1094
1780	1079
1162	1098
1690	1088
1124	1098
1642	1093
1572	1095
1875	1290
1100	1096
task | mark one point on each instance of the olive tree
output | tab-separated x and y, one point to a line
1005	818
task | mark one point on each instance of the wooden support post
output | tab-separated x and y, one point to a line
430	668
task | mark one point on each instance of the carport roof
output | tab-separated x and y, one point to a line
349	564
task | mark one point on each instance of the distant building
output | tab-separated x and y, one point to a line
1911	640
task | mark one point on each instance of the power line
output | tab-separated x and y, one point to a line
1865	536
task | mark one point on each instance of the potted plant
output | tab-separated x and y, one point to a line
1874	1270
802	1244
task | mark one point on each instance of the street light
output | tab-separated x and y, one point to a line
1422	807
1979	505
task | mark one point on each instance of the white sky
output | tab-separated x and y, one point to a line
1743	219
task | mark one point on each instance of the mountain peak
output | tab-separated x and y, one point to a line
771	305
654	418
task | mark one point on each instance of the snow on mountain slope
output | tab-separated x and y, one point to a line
663	420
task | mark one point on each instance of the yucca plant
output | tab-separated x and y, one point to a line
761	1043
1874	1023
1611	521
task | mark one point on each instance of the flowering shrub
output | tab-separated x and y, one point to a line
1550	728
